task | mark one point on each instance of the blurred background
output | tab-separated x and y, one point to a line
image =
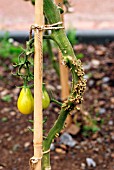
86	14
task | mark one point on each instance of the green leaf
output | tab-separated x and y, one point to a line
31	129
31	121
44	120
93	128
4	119
80	56
6	98
8	49
71	34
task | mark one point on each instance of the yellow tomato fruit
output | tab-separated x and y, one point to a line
45	99
25	101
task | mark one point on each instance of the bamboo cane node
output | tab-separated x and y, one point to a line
38	145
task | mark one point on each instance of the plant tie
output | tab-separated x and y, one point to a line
45	27
34	160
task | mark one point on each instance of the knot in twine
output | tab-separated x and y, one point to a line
46	27
34	160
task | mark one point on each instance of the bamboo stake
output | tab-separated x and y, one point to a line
64	74
38	60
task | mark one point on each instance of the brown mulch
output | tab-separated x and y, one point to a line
16	140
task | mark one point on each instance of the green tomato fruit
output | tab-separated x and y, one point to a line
45	99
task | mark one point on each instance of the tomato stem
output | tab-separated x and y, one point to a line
57	102
52	13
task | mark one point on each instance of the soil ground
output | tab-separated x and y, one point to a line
16	145
86	14
15	139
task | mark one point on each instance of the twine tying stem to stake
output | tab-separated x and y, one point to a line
45	27
34	160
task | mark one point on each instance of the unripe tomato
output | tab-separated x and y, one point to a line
45	99
25	101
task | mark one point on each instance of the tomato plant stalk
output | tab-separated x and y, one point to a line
52	14
64	73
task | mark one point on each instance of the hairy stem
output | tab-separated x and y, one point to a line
51	55
59	124
52	14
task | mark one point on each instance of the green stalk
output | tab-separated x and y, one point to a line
50	52
52	57
52	13
57	102
55	130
